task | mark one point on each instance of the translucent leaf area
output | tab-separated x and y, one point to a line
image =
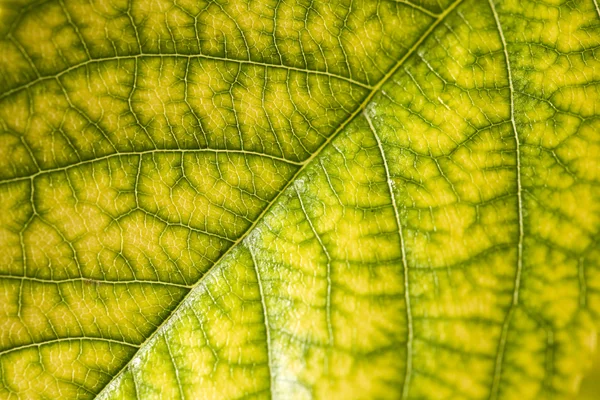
298	199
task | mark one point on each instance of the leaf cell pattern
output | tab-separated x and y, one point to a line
298	199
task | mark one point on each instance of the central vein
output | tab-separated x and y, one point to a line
308	161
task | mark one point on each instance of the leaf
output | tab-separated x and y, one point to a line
297	199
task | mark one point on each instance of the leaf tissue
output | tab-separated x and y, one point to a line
299	199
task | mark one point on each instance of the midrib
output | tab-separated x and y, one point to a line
307	162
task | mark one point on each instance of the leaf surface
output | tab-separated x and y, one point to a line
296	199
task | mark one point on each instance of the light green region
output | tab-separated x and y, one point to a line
299	200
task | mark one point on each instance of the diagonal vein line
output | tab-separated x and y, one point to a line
597	7
416	7
409	321
517	285
342	126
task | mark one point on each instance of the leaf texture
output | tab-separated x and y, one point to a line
297	199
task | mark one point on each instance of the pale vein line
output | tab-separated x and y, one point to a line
341	127
318	237
174	55
145	152
409	320
416	7
59	340
266	319
597	7
135	385
93	281
515	300
181	395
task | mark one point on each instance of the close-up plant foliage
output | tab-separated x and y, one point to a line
299	199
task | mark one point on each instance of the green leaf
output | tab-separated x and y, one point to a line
298	199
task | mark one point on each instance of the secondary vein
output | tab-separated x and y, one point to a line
263	302
42	78
517	285
409	321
